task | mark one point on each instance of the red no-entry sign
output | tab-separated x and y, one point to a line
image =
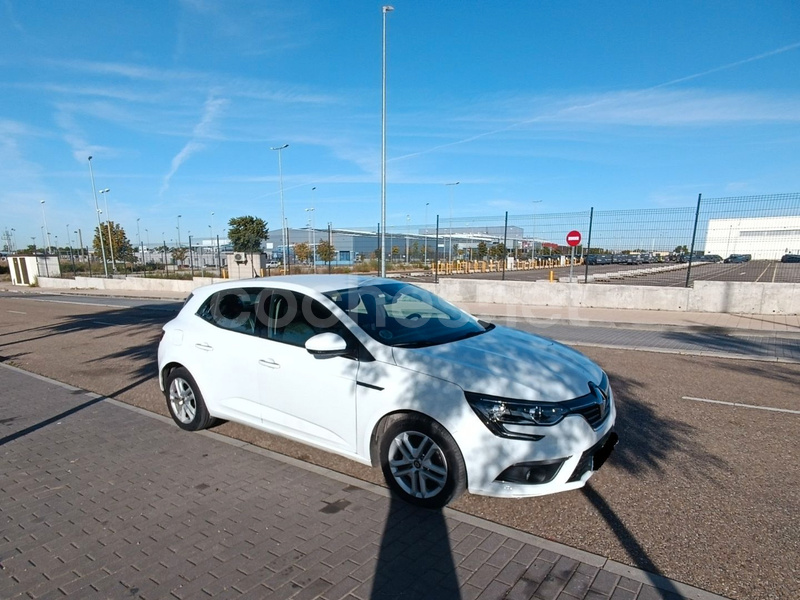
573	238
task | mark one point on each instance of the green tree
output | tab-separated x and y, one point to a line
247	233
326	251
123	251
179	255
483	250
681	250
498	252
302	251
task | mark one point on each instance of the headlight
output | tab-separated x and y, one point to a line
516	418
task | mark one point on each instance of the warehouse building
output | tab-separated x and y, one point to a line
765	238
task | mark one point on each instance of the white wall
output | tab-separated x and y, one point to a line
766	238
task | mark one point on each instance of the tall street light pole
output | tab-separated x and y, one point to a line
284	231
311	235
46	230
99	225
108	226
386	9
452	191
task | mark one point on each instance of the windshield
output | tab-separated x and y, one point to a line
402	315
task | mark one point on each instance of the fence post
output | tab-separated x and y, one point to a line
505	250
694	236
588	247
436	254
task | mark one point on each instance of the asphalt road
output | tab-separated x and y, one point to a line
764	271
701	492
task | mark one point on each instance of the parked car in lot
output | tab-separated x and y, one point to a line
388	374
713	258
790	258
738	258
598	259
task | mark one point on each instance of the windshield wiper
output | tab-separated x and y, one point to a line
417	344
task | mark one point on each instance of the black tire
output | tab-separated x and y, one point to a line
421	462
185	402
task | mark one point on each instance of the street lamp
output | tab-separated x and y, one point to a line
139	239
284	231
99	225
179	231
108	226
47	231
386	9
311	234
452	191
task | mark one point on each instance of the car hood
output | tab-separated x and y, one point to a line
506	362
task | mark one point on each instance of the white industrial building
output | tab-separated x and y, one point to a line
765	238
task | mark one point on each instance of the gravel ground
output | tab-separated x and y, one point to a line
701	493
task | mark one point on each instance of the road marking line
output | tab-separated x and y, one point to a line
78	303
18	312
775	272
783	410
105	323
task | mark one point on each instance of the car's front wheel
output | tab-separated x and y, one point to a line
185	402
421	462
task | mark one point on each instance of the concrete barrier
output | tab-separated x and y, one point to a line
134	284
705	296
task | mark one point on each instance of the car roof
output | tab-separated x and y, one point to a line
317	283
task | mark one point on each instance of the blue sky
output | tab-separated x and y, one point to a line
563	104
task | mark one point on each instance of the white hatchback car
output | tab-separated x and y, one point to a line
388	374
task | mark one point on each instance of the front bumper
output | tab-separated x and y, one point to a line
564	459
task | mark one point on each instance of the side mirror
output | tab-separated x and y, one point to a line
326	345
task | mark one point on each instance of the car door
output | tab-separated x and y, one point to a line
310	398
223	348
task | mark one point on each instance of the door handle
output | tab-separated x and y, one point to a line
204	346
269	363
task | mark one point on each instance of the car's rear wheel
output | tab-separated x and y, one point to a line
421	462
185	402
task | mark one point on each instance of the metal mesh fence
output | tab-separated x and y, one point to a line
752	238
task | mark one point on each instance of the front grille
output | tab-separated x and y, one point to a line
594	407
594	413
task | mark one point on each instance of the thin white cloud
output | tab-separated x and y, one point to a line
732	65
202	130
202	81
648	107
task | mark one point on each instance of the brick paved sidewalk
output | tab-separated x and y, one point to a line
99	499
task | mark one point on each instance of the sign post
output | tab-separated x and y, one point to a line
573	239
